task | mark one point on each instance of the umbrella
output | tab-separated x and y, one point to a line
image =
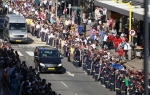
117	66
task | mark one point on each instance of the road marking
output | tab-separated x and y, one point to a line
30	53
69	73
52	74
64	84
20	54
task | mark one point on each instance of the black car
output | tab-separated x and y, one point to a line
47	59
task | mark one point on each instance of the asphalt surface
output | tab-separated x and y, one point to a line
72	82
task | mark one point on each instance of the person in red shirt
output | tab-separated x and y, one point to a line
120	53
115	43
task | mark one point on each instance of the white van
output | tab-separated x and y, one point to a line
15	28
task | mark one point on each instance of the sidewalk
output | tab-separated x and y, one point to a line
135	63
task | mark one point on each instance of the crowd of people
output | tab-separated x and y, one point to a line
21	79
90	50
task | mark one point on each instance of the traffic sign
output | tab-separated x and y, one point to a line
69	6
132	32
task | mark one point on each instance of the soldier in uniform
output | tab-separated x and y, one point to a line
84	60
123	87
102	74
106	77
88	63
118	83
94	59
77	58
112	79
130	89
97	68
135	89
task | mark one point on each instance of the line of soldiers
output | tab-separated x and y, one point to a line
99	66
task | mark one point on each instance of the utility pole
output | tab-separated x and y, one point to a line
56	8
146	47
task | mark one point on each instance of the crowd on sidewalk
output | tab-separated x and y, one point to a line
21	79
89	50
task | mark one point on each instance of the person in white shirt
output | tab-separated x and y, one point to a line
105	39
104	14
37	29
127	50
10	9
93	45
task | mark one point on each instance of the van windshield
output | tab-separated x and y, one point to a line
17	26
50	54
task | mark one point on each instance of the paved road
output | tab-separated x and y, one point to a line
73	82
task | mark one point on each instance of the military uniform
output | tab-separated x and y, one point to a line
93	68
123	88
106	77
88	64
68	54
74	57
102	74
112	80
118	84
97	70
77	58
84	61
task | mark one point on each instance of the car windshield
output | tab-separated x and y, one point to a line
50	54
1	20
17	26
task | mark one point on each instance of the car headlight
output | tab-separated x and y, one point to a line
59	65
26	35
41	64
10	35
